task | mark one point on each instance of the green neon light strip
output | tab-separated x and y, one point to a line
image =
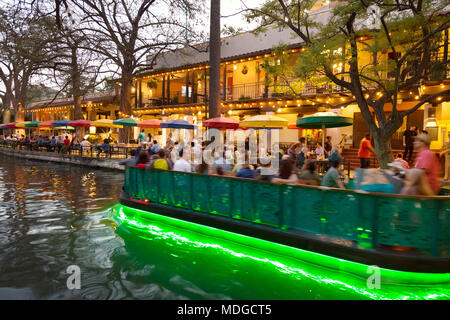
344	275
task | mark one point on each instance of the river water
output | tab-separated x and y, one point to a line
53	216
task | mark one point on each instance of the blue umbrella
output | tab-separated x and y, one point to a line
177	124
61	123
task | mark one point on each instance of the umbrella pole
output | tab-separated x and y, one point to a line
323	137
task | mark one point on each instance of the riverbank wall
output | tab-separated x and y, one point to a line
103	163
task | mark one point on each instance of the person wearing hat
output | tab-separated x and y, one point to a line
427	161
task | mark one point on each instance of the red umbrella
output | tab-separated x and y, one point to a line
151	123
80	123
11	125
222	123
293	126
46	124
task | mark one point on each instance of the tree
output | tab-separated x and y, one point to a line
126	32
375	63
24	49
74	68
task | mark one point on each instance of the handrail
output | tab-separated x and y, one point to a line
369	220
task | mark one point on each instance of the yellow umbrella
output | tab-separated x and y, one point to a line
264	121
104	123
21	124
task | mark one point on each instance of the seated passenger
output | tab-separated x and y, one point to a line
401	161
143	160
416	183
159	161
286	173
309	175
220	161
334	155
181	164
246	172
217	171
202	168
128	162
331	179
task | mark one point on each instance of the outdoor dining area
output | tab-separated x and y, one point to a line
39	135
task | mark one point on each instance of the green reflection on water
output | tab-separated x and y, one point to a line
215	257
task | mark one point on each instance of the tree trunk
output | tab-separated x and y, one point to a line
125	107
214	57
6	116
383	150
19	113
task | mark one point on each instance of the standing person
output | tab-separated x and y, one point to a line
302	151
365	147
408	142
142	137
328	146
427	161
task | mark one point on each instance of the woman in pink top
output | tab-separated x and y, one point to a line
427	161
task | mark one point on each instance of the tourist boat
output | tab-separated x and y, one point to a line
408	237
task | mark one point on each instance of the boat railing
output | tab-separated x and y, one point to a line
366	220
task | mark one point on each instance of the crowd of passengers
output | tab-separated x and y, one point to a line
296	166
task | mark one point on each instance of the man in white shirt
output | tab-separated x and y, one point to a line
181	164
85	144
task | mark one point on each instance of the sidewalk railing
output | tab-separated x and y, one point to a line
113	152
367	220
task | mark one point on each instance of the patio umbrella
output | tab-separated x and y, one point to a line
60	123
11	125
22	124
151	123
64	128
126	122
177	124
322	120
46	124
80	123
222	123
32	124
264	122
105	123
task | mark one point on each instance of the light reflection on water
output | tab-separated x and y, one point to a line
53	216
